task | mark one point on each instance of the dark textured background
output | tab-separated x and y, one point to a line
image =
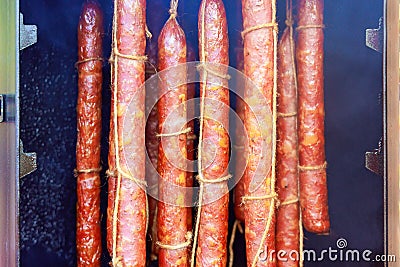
353	95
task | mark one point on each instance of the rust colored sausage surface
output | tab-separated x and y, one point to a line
240	145
191	137
287	226
259	67
152	149
214	47
111	174
88	232
129	214
310	61
172	215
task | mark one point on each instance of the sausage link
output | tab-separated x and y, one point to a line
129	239
259	67
88	232
172	214
111	173
240	140
214	47
191	92
152	149
287	226
310	62
240	144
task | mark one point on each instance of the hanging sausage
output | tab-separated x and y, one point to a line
88	232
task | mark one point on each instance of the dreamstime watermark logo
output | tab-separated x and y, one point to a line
186	74
339	253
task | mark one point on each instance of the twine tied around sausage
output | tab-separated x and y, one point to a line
87	60
203	66
289	202
184	131
203	180
272	25
200	176
118	171
92	178
313	168
80	171
185	244
287	115
111	173
191	137
294	201
272	196
310	26
173	10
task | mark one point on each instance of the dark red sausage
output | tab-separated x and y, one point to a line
152	148
240	140
287	219
88	232
239	145
312	168
129	214
191	137
214	48
111	174
259	67
172	214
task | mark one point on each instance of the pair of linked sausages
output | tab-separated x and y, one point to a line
127	200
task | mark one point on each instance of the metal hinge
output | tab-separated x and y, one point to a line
27	37
374	162
27	33
7	114
27	161
374	37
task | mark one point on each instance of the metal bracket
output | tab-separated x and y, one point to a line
7	111
374	37
27	33
27	161
374	160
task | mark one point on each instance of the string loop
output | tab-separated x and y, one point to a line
94	170
184	131
185	244
87	60
313	168
203	180
203	66
272	25
287	115
289	202
311	26
173	10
